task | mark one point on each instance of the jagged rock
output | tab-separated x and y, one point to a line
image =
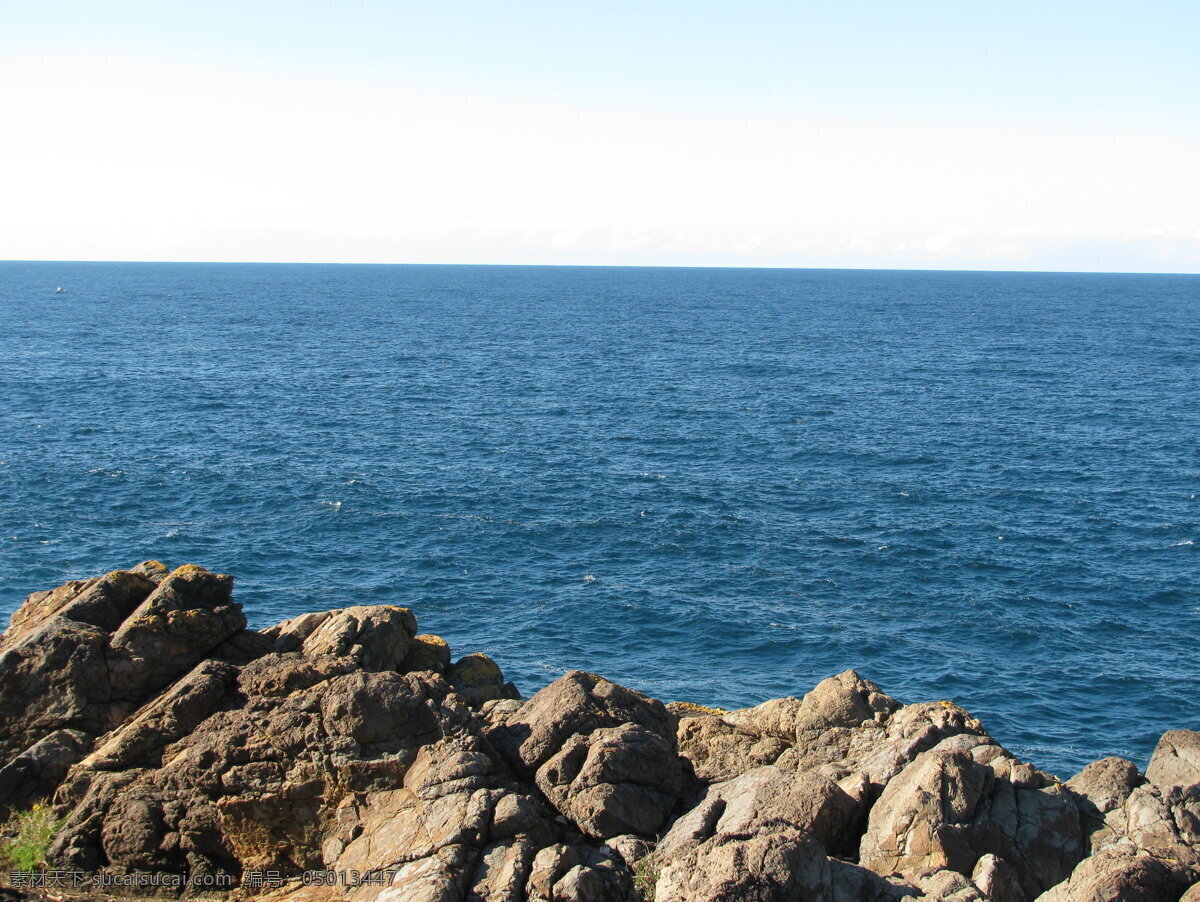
276	675
179	741
377	637
578	703
964	799
477	679
1120	873
82	657
1175	764
36	771
103	601
844	701
762	800
717	750
943	885
173	715
776	866
550	865
502	871
1118	806
252	784
880	750
1106	783
188	615
615	780
289	635
997	880
1103	787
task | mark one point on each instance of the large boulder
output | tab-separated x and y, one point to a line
717	750
844	701
1120	873
1102	788
1158	817
1175	764
614	781
603	755
76	661
186	617
967	798
784	865
578	703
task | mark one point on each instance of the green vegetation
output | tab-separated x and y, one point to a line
26	837
645	876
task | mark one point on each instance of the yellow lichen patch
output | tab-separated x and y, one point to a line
691	709
475	669
188	570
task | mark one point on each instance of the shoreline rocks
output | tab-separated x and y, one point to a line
341	755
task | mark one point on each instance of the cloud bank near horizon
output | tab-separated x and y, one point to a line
130	158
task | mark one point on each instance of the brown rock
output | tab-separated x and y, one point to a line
953	805
502	872
103	602
427	652
720	751
997	880
777	866
177	712
477	679
763	800
575	704
1175	764
376	637
35	772
615	780
1119	874
1102	790
178	625
844	701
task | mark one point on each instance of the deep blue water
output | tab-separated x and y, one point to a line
714	485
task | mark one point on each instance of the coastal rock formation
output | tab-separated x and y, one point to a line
340	755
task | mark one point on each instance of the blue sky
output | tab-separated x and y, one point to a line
1048	136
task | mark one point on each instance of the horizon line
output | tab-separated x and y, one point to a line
1079	272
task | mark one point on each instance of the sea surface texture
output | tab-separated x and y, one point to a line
713	485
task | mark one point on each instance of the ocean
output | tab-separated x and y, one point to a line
714	485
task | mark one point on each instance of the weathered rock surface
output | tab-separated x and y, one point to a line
345	753
967	798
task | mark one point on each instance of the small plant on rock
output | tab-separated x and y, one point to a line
645	876
26	837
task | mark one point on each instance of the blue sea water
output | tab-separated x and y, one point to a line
712	485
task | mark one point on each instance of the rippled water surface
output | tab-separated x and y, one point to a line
714	485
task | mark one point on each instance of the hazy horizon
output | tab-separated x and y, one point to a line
747	266
771	136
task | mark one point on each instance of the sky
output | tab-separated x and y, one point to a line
927	135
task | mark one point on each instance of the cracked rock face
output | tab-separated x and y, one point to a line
344	743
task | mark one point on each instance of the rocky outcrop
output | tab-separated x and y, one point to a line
79	660
354	759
